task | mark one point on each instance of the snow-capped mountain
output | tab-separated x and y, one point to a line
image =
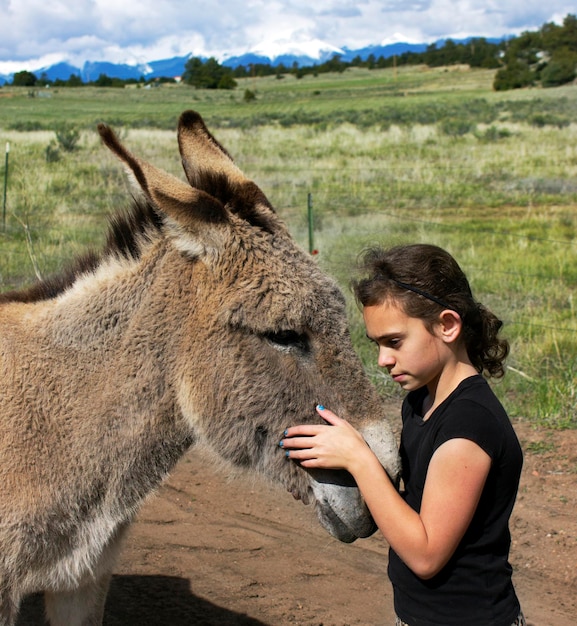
287	53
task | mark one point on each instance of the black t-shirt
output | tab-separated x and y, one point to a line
475	586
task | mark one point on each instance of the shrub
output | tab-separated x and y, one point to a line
67	137
547	119
27	126
514	76
457	127
52	152
560	70
492	134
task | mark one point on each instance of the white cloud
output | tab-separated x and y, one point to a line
38	31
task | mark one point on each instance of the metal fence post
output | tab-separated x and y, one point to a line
5	186
310	219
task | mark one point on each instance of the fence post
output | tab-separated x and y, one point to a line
310	219
5	187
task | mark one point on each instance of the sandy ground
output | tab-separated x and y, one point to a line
208	550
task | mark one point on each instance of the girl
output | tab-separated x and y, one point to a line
448	530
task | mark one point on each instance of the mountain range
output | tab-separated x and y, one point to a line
174	66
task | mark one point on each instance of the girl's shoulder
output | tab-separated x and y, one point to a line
474	412
476	392
474	389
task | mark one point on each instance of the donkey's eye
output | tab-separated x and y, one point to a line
288	340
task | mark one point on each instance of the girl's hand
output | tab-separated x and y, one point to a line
335	445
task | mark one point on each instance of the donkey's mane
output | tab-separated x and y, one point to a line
128	230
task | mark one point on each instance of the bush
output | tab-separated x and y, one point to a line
514	76
456	127
226	81
492	134
67	137
559	71
547	119
52	152
27	127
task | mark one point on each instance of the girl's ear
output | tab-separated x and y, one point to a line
450	324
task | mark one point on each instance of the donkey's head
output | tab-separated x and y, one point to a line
263	336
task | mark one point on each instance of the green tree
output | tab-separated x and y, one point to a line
561	69
481	53
334	64
74	80
24	79
555	37
107	81
192	71
526	48
226	81
548	55
43	81
514	76
103	81
208	75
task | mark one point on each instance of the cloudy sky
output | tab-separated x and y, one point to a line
38	33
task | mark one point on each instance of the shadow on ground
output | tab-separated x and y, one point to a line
150	600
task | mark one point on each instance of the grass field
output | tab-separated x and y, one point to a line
387	156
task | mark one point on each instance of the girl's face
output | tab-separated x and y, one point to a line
412	354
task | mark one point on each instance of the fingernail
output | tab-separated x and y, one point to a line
287	454
285	433
320	407
280	444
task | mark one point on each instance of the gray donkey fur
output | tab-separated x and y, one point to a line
200	323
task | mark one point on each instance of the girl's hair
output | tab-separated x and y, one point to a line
424	280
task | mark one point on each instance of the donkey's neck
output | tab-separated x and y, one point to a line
106	372
98	312
112	334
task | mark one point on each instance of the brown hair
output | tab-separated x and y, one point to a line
424	280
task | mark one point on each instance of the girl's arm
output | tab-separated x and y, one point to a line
455	480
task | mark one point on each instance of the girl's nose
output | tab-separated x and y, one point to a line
386	358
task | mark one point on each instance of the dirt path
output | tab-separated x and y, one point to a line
211	551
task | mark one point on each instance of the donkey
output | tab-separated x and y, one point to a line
200	323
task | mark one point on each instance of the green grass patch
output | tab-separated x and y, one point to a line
416	155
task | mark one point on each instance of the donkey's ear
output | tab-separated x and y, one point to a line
190	211
208	166
202	154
